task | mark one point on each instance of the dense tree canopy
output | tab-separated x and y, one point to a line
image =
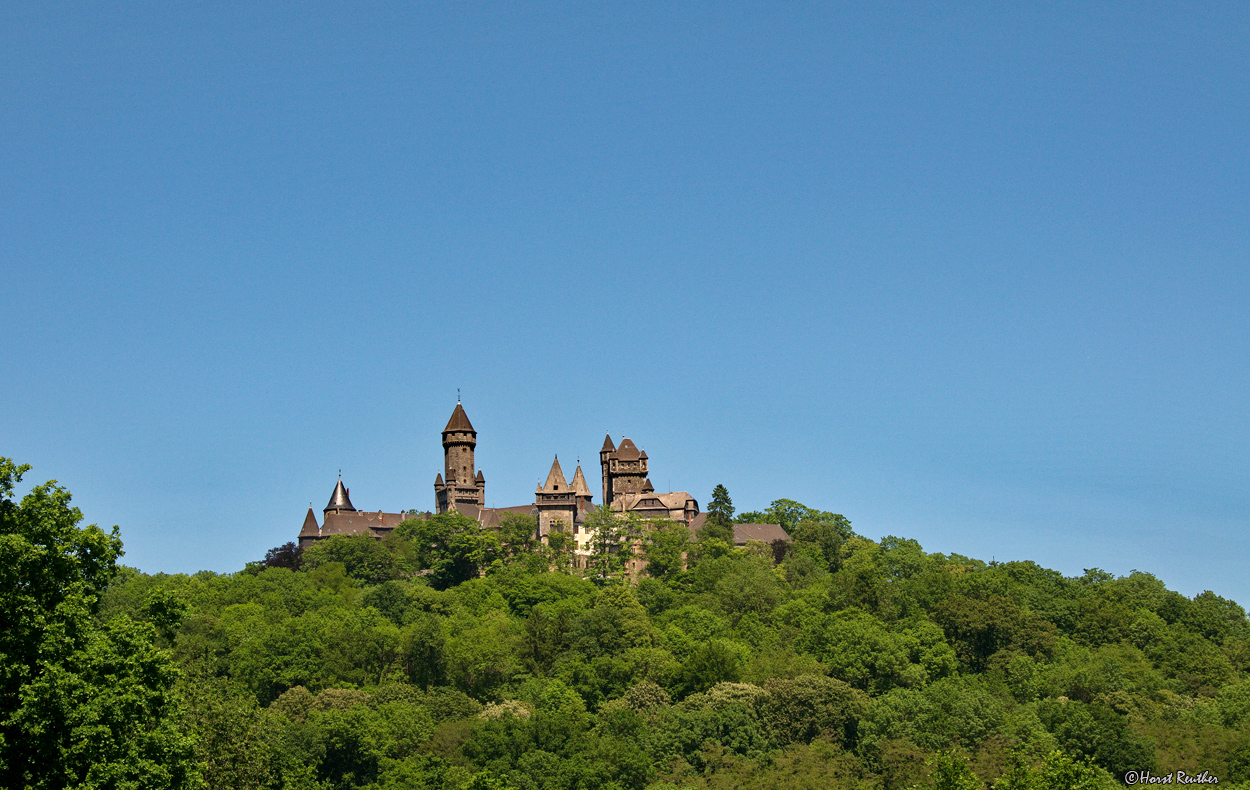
450	657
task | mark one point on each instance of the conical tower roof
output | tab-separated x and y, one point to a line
555	479
579	483
339	500
607	443
309	529
459	421
647	488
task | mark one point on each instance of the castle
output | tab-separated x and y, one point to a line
557	505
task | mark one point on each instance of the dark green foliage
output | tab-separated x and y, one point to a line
390	599
288	555
1097	732
807	707
362	557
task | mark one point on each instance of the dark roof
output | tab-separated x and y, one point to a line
628	451
438	479
579	483
646	485
764	532
310	528
607	443
489	517
649	503
459	421
339	500
363	523
480	478
555	479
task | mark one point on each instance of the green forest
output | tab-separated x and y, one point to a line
447	656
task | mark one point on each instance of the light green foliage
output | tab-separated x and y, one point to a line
1057	771
518	534
450	546
860	649
664	549
951	772
81	704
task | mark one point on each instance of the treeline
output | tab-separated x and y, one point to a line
449	657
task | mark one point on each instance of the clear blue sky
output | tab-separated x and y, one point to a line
976	275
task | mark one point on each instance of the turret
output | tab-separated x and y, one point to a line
605	455
339	501
556	502
310	531
464	484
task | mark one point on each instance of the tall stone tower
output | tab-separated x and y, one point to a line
604	456
624	470
462	485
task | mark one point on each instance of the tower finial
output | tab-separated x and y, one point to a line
457	395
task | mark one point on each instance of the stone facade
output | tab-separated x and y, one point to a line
558	504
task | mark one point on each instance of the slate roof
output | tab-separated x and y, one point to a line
339	499
628	451
579	483
375	523
490	517
763	532
555	479
459	421
310	528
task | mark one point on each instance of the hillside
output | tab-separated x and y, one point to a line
446	657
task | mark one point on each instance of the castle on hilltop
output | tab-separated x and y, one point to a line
557	504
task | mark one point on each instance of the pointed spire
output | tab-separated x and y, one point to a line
555	479
647	488
607	443
579	483
310	528
459	421
438	480
339	499
480	478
